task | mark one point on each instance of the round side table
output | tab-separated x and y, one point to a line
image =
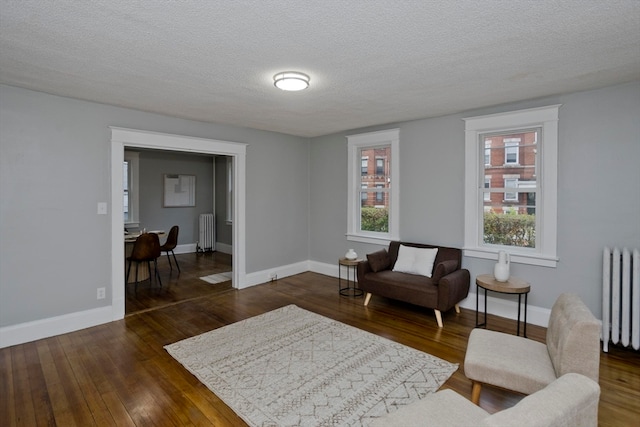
350	290
514	285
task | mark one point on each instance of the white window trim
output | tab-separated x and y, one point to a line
354	144
545	253
133	157
510	143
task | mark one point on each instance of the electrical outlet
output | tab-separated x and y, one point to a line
101	293
273	276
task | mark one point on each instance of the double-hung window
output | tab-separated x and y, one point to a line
373	186
130	188
511	185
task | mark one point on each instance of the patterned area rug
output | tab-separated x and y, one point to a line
292	367
218	278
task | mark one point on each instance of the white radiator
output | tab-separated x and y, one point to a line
620	298
207	233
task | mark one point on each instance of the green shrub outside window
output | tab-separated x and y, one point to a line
510	229
374	219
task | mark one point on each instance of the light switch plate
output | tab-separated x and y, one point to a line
102	208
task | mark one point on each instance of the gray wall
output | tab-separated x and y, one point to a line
54	169
55	250
598	186
153	214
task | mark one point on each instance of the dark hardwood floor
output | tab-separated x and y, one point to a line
119	374
178	286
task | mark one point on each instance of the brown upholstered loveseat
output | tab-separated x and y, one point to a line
447	286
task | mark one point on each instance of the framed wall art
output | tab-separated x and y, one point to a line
179	190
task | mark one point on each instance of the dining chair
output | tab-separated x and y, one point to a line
145	249
170	244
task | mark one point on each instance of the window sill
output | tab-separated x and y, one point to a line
520	258
370	239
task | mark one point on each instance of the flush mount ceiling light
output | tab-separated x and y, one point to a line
291	80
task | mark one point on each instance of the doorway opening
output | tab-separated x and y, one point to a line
130	138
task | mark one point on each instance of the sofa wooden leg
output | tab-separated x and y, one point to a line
367	298
439	318
475	392
457	306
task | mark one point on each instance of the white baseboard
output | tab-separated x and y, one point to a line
324	268
259	277
190	248
31	331
508	309
224	248
185	249
38	329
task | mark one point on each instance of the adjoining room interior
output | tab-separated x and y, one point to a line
145	209
502	133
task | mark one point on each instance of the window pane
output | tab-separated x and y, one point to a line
509	225
374	199
125	181
510	185
381	182
374	219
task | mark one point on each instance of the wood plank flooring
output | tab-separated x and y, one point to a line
119	374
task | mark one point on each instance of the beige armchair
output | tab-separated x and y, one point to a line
526	366
571	400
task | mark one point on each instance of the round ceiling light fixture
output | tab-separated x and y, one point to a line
291	80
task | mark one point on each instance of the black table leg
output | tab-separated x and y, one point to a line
525	313
477	291
484	323
485	307
519	303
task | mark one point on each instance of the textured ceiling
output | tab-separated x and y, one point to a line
370	61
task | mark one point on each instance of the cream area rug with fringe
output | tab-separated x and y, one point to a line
292	367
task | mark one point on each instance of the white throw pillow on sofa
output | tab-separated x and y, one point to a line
415	260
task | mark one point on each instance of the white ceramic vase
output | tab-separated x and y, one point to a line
501	270
351	254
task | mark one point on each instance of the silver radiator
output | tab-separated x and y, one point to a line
621	298
207	233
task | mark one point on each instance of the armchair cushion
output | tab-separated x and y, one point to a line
379	261
508	361
444	268
573	338
569	401
444	408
